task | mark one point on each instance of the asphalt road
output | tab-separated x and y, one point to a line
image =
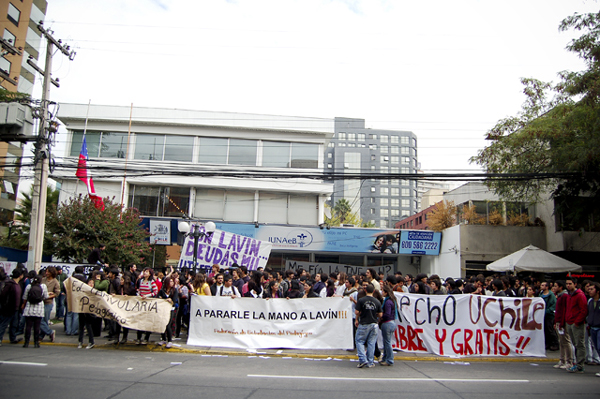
66	372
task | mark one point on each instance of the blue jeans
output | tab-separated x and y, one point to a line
60	306
44	326
72	323
387	331
12	322
595	338
366	334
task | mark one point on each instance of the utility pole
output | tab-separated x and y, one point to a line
41	158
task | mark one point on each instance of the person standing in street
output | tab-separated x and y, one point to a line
33	309
593	317
575	320
549	334
388	325
53	288
564	339
368	311
10	298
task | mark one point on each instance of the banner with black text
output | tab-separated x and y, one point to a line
134	312
311	323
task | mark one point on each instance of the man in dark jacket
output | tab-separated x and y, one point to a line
575	320
593	317
10	298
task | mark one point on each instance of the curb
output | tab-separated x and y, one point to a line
397	357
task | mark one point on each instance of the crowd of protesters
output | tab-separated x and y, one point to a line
571	322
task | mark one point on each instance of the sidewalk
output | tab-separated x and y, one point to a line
180	346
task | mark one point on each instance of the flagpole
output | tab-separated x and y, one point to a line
126	158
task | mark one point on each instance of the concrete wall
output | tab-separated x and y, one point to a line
448	263
489	243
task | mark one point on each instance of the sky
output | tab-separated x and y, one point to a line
446	70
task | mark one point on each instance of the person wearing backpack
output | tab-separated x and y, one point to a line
10	299
33	309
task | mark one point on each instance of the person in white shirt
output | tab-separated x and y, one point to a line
228	289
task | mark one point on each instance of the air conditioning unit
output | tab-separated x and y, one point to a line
16	122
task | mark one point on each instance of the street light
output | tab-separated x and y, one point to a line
184	227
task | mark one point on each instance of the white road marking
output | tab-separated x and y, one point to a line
23	363
308	377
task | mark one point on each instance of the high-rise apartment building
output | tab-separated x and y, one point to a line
20	40
356	149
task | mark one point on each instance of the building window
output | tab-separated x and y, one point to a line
373	146
341	144
149	147
373	136
179	148
384	148
372	211
383	224
160	201
372	189
394	191
404	140
242	152
384	138
384	213
395	212
276	154
395	182
405	203
384	191
405	150
113	145
361	137
13	14
331	144
395	202
329	166
373	157
351	136
341	136
5	64
9	37
305	155
372	199
329	155
384	202
394	139
373	168
384	169
405	192
394	170
352	145
395	149
395	159
404	170
384	158
213	150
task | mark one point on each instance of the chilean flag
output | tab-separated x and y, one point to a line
84	176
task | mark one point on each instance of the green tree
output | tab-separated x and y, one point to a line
77	226
19	233
342	214
556	132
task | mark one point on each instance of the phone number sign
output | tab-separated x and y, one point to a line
419	243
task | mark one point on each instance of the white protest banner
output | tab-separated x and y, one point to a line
8	267
311	323
225	249
315	267
129	311
69	268
470	325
